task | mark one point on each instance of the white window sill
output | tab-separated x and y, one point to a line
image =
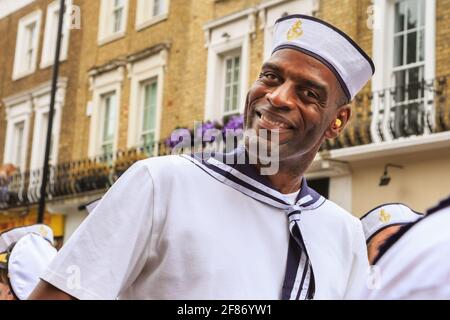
152	21
22	74
111	38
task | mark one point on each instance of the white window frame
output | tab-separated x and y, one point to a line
41	102
106	32
112	95
139	72
230	55
144	20
100	85
19	70
229	34
382	48
142	132
270	11
18	109
49	47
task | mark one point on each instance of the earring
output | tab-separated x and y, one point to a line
338	123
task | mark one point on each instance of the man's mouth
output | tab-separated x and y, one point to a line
271	122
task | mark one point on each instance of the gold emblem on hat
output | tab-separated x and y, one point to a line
43	231
384	216
296	31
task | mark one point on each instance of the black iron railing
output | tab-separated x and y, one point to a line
415	109
73	178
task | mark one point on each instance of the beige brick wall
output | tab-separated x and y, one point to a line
68	68
442	37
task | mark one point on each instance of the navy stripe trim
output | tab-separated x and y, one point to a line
293	261
325	62
305	271
236	180
346	36
301	244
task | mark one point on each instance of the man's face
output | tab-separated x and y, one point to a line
296	96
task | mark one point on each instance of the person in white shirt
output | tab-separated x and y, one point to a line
205	227
414	263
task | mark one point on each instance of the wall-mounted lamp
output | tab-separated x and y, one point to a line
385	178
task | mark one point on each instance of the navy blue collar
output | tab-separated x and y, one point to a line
236	170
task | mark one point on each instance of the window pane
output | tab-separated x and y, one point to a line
232	85
149	106
228	77
400	13
148	140
398	51
227	98
30	42
110	117
156	7
422	12
236	70
412	14
411	53
421	45
400	81
234	105
414	80
117	20
19	136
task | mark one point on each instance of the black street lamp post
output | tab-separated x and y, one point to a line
45	171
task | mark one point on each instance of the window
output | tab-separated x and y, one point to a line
228	42
104	110
404	53
51	27
150	12
41	105
117	15
408	68
113	20
232	85
27	42
149	105
18	114
146	99
109	123
18	144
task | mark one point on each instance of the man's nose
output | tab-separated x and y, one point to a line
282	96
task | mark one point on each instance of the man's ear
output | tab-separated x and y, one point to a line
339	122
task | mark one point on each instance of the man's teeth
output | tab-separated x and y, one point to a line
274	123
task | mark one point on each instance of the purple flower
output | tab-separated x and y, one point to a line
178	136
234	126
206	132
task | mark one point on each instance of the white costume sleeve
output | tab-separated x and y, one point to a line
108	251
360	265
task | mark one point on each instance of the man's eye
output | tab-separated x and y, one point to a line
268	76
309	94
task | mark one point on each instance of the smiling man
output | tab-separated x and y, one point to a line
195	227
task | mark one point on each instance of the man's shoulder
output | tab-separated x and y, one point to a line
333	209
167	166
